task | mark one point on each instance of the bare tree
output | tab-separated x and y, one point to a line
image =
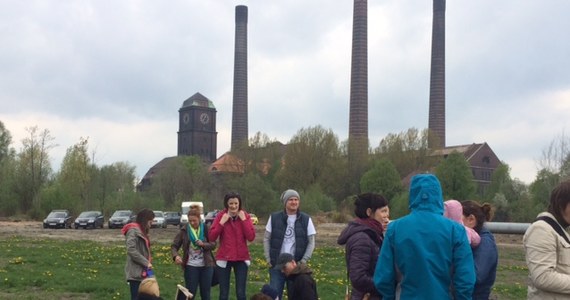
555	155
33	167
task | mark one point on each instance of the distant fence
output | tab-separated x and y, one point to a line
507	228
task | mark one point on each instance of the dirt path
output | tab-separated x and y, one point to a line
327	233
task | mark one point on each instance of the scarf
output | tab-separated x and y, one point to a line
194	236
374	225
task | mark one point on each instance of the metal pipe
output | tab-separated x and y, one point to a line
507	227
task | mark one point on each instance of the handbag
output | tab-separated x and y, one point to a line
215	279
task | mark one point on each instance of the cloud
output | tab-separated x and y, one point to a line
119	71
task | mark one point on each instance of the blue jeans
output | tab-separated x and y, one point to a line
277	281
194	276
134	286
240	273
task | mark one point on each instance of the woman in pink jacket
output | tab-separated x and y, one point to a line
234	228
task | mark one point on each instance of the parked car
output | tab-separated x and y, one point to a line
172	218
209	218
92	218
254	219
59	218
159	220
121	218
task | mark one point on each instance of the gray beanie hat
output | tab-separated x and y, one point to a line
288	194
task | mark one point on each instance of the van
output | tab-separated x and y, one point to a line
186	205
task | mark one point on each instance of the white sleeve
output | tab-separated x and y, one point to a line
311	228
268	226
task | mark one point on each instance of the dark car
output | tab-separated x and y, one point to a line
90	219
172	218
209	217
59	218
121	218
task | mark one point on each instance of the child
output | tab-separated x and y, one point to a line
454	211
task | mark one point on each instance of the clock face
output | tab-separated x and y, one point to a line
186	118
204	118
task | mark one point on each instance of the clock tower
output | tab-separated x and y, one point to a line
197	128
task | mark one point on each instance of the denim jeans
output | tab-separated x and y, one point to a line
277	281
240	273
199	276
134	286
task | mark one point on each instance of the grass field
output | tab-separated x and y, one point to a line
52	269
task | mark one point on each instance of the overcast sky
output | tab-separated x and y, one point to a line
118	71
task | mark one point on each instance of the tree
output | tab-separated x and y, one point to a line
183	177
116	185
555	154
408	151
76	173
33	167
456	178
313	157
382	178
8	200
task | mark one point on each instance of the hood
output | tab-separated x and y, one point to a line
129	226
352	228
425	194
453	210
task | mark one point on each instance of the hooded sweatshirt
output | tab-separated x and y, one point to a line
362	249
454	210
138	252
429	251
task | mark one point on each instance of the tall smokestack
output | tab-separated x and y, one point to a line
358	118
437	79
239	111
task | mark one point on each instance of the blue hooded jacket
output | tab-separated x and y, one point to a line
431	252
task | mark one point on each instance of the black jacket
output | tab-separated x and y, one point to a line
301	285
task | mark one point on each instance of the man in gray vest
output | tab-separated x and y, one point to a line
288	231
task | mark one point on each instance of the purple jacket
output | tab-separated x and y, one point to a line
362	249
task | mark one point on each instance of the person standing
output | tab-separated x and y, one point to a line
547	248
234	229
420	250
363	238
288	231
139	260
485	255
197	261
301	285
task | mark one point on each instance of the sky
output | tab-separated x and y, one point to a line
117	72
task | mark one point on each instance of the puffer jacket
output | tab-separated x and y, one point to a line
233	235
430	251
181	240
138	252
362	249
548	261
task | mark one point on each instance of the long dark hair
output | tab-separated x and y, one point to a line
482	213
230	195
143	217
559	199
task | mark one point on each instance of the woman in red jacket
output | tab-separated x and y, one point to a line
234	229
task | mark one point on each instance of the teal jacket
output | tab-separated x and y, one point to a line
424	254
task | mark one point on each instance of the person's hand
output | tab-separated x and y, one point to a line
178	260
224	218
241	215
200	243
149	266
